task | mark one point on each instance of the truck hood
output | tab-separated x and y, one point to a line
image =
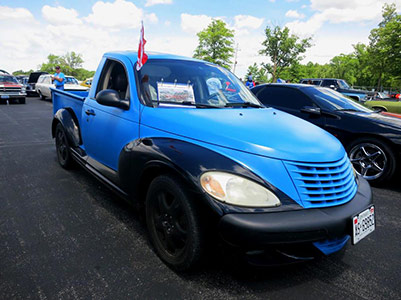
266	132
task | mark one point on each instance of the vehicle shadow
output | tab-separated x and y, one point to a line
220	270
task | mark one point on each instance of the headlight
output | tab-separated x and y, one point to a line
236	190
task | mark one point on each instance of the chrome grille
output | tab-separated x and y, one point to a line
323	184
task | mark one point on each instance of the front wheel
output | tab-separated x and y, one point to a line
373	159
62	147
173	223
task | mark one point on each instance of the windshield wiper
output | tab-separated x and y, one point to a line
189	103
243	104
347	109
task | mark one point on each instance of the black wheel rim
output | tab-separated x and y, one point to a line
61	144
170	223
369	160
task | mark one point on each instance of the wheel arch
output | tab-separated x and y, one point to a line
69	121
379	107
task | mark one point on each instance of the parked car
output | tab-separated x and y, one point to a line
386	105
371	139
45	83
87	82
22	79
340	86
31	87
11	89
189	145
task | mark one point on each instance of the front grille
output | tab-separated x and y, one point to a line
10	90
323	184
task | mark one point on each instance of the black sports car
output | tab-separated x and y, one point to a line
372	140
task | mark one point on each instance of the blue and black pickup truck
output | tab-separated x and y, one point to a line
189	145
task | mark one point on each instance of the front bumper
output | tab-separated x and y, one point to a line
12	96
250	230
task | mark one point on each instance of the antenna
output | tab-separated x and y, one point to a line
235	57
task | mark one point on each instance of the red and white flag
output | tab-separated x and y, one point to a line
142	57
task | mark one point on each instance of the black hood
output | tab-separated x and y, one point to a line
33	77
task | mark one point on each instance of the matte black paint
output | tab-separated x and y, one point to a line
308	225
70	123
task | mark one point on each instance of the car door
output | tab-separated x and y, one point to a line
106	129
47	84
290	100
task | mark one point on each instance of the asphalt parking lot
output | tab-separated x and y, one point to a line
65	236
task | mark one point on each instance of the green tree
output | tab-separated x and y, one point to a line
385	45
216	44
283	49
70	64
21	72
258	73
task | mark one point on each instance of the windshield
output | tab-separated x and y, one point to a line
71	80
8	79
333	100
181	82
343	84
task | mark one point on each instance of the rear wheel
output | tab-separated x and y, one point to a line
63	150
173	223
41	95
373	159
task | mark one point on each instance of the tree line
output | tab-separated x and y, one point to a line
375	64
70	64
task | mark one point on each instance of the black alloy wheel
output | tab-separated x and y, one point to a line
372	159
173	223
62	147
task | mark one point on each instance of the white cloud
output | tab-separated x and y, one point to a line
242	21
339	11
118	14
15	14
60	15
154	2
151	18
294	14
194	23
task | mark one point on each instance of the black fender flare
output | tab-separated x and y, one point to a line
69	120
143	159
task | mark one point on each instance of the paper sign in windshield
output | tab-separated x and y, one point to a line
173	92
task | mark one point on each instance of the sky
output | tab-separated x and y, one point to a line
32	29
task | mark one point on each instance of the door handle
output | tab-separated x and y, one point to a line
90	112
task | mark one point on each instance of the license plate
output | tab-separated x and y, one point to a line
5	97
363	224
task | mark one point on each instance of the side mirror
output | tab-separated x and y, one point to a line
312	110
111	98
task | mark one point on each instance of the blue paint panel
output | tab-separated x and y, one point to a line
266	132
331	246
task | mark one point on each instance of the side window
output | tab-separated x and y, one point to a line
40	80
328	83
114	77
284	97
48	80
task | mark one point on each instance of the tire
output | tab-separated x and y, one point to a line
41	96
62	147
22	101
173	224
373	159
